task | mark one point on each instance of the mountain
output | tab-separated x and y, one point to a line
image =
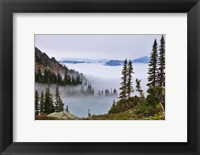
50	69
74	61
144	60
79	61
42	61
114	63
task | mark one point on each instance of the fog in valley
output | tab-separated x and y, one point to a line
100	77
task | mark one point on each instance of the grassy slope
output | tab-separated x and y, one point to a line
136	113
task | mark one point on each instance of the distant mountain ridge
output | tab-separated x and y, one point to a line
114	63
143	60
74	62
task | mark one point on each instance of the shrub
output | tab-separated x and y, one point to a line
123	105
145	109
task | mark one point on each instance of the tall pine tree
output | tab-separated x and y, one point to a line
42	103
161	63
129	78
57	97
152	78
49	107
123	87
156	80
59	106
161	71
52	107
36	103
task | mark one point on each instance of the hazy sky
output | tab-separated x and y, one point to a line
96	46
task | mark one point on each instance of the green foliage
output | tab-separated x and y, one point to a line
142	111
59	106
126	84
156	91
156	113
161	63
42	102
123	105
44	117
123	87
129	78
147	110
152	78
36	103
155	117
67	108
48	104
52	78
49	107
155	95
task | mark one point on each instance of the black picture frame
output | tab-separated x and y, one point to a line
8	7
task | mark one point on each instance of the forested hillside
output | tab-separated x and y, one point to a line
49	70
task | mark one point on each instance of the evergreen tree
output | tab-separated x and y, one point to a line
36	77
65	79
67	109
59	79
52	107
152	78
82	89
93	91
107	92
123	87
49	107
78	80
73	81
129	80
99	93
89	113
42	102
36	103
60	105
161	63
138	87
90	90
47	102
156	75
115	92
58	101
46	77
57	96
54	78
40	77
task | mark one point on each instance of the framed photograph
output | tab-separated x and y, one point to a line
100	77
90	78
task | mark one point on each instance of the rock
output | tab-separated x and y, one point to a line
63	115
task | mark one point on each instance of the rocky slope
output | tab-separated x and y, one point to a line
43	62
